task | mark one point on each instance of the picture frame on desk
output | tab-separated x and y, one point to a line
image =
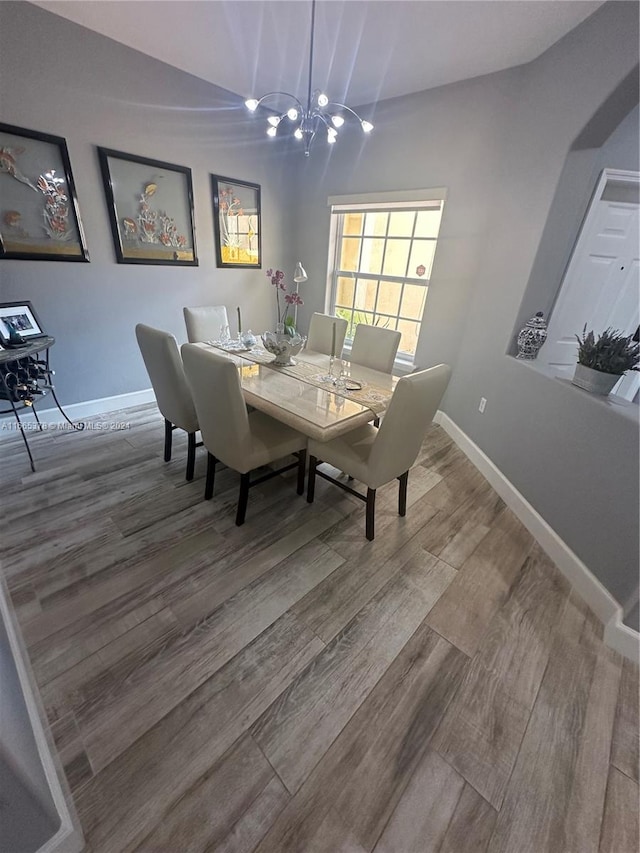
237	223
20	316
39	215
150	206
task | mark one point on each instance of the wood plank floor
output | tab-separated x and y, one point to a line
288	686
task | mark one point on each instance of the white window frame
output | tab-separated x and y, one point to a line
385	201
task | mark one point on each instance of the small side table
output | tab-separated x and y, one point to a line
24	379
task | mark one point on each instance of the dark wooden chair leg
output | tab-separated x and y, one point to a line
376	422
402	493
371	513
168	435
211	476
311	482
243	499
191	455
302	464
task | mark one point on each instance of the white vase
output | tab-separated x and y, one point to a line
594	380
283	346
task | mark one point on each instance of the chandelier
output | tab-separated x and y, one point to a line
319	115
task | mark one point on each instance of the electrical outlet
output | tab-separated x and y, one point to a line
483	403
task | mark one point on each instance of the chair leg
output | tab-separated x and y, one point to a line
191	455
302	464
311	482
211	476
376	422
402	493
243	499
371	513
168	434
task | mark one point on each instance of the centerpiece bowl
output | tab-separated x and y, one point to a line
283	346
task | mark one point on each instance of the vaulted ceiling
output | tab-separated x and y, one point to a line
365	50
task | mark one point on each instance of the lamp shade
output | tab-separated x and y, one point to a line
300	275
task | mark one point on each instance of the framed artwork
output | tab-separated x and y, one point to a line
21	317
39	213
150	209
236	220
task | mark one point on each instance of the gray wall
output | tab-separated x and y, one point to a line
571	200
500	144
60	78
18	749
572	456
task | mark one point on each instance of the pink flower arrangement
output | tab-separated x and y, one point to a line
277	280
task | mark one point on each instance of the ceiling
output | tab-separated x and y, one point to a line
365	50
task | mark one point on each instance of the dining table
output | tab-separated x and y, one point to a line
304	396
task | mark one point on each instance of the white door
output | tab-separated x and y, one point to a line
601	286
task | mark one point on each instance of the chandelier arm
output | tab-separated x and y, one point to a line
285	94
323	118
344	107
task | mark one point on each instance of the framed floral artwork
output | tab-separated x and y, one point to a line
150	209
236	220
39	213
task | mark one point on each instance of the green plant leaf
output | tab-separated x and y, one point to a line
612	352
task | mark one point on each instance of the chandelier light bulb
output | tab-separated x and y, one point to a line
366	126
297	133
322	100
292	113
272	131
274	121
337	121
251	104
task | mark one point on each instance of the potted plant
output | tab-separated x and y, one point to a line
602	361
285	342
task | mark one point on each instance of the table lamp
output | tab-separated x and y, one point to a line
299	276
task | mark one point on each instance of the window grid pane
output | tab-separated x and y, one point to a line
382	267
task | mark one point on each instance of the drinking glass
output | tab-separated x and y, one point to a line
341	380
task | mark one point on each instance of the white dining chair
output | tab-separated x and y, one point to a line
377	456
161	357
231	435
375	347
204	322
320	334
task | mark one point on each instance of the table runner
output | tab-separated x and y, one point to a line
371	396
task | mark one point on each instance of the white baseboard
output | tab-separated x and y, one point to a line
617	635
622	638
90	408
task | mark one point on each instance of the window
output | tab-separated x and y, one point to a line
381	265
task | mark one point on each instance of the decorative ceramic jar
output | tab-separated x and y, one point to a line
531	337
594	380
283	346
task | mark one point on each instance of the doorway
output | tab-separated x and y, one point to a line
601	285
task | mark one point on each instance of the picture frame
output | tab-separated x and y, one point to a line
23	318
150	206
39	211
237	223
